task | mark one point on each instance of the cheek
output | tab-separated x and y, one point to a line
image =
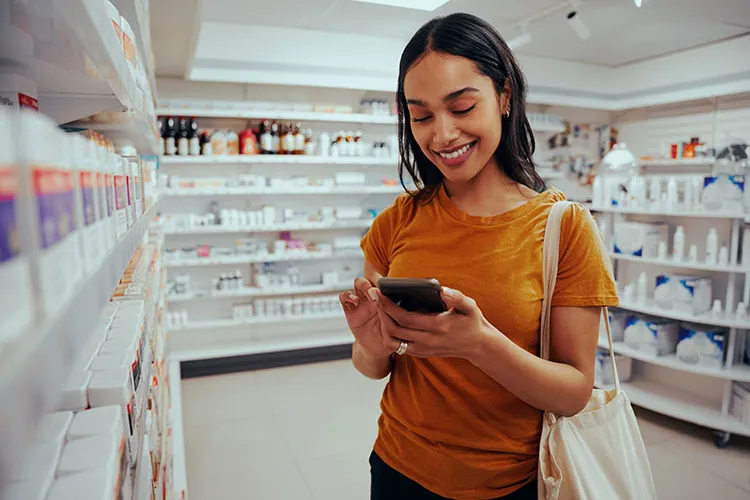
423	135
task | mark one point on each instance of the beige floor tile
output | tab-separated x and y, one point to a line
341	476
221	398
677	478
656	428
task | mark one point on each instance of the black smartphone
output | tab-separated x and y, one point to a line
413	294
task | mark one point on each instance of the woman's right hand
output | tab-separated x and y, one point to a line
361	311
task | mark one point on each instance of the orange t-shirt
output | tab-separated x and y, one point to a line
446	424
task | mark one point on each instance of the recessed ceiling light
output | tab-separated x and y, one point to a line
409	4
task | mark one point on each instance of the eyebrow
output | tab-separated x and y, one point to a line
447	98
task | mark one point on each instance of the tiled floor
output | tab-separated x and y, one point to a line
305	433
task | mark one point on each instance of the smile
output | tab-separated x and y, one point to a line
457	152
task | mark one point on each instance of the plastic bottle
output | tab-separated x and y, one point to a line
324	144
183	141
266	140
693	254
723	255
16	301
654	193
641	289
671	194
678	248
233	142
712	246
248	142
194	138
218	143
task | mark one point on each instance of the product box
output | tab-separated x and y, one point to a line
701	345
739	406
639	239
617	321
655	337
603	373
724	193
688	294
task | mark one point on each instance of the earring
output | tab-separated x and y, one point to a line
507	113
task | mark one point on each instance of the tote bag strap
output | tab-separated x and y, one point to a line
550	258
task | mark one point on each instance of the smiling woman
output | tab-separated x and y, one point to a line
461	414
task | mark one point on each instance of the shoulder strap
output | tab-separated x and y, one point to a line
550	258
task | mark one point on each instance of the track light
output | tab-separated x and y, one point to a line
520	40
638	3
574	19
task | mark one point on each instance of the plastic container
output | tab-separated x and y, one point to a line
16	302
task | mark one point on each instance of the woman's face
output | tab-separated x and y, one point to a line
455	114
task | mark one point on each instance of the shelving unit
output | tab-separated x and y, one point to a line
704	319
266	191
280	160
255	259
232	110
257	292
698	266
268	320
667	213
302	226
677	163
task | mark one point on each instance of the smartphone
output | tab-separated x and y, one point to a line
412	294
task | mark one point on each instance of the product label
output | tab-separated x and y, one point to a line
87	182
10	245
27	102
53	189
128	48
18	100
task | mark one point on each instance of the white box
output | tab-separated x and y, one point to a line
603	373
690	294
639	239
617	321
701	345
655	337
723	193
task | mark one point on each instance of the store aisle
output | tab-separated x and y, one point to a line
305	433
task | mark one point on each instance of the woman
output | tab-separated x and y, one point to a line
461	413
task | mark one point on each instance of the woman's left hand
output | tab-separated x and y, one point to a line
457	333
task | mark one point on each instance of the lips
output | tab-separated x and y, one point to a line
457	156
455	153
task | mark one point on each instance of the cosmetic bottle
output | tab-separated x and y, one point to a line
693	254
723	255
712	246
671	194
678	250
654	195
641	289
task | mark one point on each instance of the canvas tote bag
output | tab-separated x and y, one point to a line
597	454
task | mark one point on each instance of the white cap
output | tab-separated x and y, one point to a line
90	453
102	420
73	396
53	427
110	387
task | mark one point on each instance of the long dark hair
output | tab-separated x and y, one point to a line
468	36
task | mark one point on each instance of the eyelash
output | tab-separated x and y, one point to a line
460	112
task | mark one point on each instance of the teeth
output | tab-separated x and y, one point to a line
455	154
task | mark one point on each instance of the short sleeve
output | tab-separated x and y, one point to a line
377	244
584	275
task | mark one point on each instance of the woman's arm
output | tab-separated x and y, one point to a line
563	385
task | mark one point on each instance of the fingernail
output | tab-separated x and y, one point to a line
352	297
372	293
449	291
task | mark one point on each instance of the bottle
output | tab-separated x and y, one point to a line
218	143
716	311
678	249
170	139
324	144
205	143
641	288
183	143
266	140
671	194
693	254
248	142
287	139
299	140
712	246
359	146
160	125
654	193
723	255
349	147
596	192
275	139
194	138
233	142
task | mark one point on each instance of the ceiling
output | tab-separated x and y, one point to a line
620	33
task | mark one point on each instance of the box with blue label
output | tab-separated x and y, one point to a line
655	337
603	372
723	193
701	345
690	294
639	239
617	320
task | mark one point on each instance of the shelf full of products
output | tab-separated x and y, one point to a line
682	323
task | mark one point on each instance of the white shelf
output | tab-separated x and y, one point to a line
739	373
257	292
704	319
279	160
254	259
268	114
700	266
179	465
219	324
129	9
667	213
550	175
135	126
36	366
307	226
681	405
681	163
263	191
248	346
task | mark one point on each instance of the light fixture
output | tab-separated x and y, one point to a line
638	3
524	38
427	5
575	21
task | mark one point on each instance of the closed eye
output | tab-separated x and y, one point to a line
420	120
465	111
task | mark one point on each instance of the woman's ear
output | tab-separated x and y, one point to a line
505	97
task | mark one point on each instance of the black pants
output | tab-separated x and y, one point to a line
388	484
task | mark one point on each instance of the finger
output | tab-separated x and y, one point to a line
456	300
364	289
413	320
397	331
348	297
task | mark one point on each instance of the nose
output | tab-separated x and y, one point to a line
445	130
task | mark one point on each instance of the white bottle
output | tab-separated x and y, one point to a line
662	250
597	195
723	255
654	193
693	254
641	289
741	313
678	249
716	311
671	194
16	293
712	246
324	142
688	198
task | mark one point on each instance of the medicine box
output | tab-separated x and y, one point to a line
723	193
690	294
603	373
655	337
639	239
701	345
